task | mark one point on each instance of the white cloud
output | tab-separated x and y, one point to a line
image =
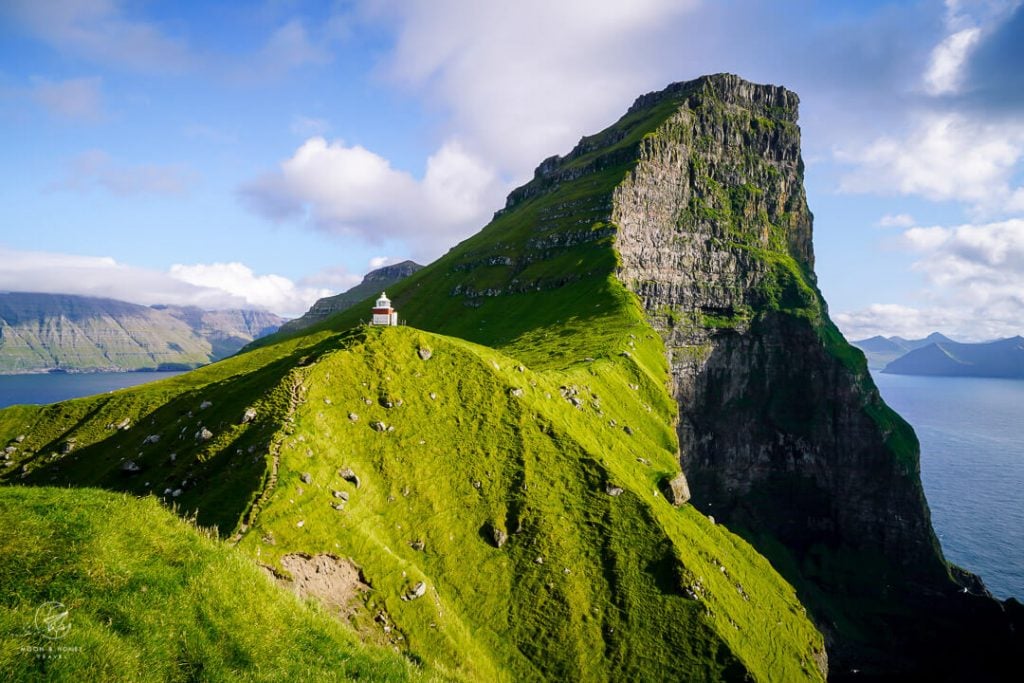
75	99
100	31
209	286
273	292
523	80
975	276
945	157
353	192
945	73
378	261
96	169
898	220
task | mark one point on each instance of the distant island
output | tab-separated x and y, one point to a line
938	355
70	333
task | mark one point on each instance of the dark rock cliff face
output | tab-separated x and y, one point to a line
782	432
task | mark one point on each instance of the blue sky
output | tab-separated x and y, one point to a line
266	154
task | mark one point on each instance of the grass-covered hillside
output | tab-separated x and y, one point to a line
502	470
148	597
597	573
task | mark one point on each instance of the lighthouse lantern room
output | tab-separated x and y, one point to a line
383	314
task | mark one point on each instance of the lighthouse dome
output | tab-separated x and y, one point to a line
383	301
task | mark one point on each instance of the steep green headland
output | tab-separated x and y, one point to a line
504	470
40	332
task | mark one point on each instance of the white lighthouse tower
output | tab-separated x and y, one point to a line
383	314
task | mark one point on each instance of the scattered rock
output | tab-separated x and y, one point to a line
204	434
433	396
520	368
418	544
152	438
539	559
477	484
612	490
124	424
173	456
327	401
711	519
10	449
516	391
417	591
425	353
205	404
130	467
301	523
348	475
367	401
576	402
338	506
353	417
340	494
68	446
19	438
249	415
677	490
175	493
628	430
378	426
634	387
499	535
306	478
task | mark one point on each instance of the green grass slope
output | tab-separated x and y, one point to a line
544	392
150	598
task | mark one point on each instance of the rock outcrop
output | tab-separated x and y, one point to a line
782	432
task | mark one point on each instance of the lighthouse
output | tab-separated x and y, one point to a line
383	314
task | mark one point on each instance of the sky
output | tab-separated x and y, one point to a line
265	154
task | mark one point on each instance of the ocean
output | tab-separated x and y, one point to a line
972	467
50	388
972	457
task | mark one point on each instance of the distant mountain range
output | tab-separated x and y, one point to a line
48	332
939	355
372	285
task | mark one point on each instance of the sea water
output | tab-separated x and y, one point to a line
58	386
972	467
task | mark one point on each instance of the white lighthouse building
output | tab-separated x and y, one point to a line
383	314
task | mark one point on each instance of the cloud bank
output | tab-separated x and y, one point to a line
210	286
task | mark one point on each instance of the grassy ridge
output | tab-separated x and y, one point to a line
150	598
628	584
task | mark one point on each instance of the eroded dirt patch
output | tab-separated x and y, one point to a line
335	581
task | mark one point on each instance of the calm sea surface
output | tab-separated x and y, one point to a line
972	466
972	456
47	388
